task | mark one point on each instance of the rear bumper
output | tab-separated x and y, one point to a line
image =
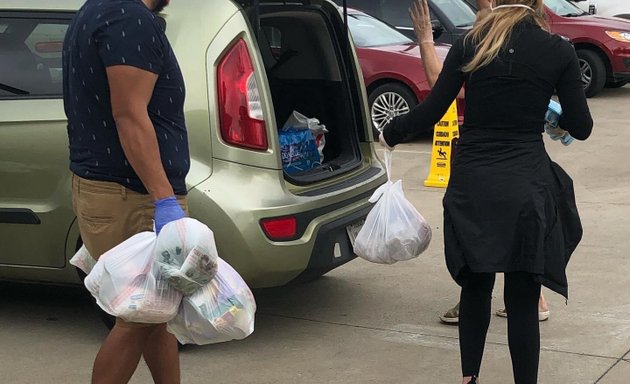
332	246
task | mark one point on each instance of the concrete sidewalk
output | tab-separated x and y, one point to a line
366	323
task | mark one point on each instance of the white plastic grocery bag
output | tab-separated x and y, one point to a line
186	254
394	230
222	310
126	283
83	260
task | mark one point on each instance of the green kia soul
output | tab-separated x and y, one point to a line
247	65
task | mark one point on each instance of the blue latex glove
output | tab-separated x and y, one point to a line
167	210
554	111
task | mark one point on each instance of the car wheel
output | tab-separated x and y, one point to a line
593	71
388	101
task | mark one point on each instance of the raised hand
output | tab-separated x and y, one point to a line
421	19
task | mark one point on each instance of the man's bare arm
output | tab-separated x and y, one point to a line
131	89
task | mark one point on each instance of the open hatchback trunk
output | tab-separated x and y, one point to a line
311	69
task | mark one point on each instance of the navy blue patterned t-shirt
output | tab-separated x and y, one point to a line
120	32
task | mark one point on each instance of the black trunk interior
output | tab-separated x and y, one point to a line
306	73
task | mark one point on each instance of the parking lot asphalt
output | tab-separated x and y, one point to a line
366	323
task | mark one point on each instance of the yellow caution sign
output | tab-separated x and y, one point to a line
445	137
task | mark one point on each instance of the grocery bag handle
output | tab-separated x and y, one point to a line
388	167
388	163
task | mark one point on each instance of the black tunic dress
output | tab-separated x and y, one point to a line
507	206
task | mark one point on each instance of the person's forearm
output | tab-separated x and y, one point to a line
139	142
430	62
432	65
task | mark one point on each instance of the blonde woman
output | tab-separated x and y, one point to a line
508	208
420	16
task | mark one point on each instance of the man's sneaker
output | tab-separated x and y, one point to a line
451	316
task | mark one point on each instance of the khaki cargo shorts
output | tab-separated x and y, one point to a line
108	214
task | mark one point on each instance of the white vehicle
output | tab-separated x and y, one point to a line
617	8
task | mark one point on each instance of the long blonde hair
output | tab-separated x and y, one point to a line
493	29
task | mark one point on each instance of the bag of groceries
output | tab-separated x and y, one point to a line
221	310
186	254
393	230
127	283
83	260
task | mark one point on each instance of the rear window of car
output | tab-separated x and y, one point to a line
30	55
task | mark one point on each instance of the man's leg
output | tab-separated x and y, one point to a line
107	215
162	356
119	355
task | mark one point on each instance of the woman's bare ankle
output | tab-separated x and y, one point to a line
542	304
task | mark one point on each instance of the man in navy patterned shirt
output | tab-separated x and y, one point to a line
124	96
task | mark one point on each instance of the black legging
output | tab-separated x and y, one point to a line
521	295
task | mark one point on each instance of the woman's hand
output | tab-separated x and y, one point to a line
421	19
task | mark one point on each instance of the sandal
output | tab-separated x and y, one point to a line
451	316
542	315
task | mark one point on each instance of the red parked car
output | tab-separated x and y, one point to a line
602	43
392	67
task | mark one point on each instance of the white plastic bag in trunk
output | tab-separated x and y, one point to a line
127	284
222	310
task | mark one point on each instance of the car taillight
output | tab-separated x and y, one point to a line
240	109
280	228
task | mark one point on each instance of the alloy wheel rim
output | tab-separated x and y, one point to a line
587	73
387	106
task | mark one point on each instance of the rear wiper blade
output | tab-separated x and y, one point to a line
13	90
575	14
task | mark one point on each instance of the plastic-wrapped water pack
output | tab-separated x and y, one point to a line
302	142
